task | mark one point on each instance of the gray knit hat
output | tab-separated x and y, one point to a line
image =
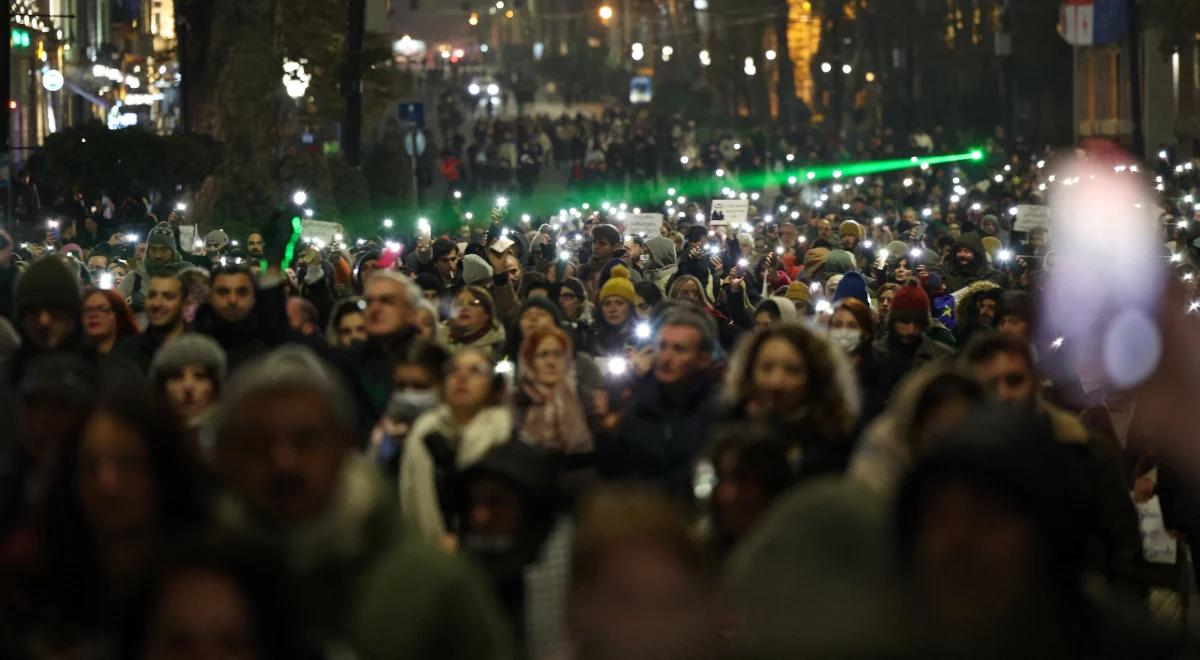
476	269
48	282
217	236
190	348
161	234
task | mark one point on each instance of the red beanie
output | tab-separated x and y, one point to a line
911	298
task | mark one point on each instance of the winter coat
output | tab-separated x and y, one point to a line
436	449
956	277
662	264
659	436
356	580
895	362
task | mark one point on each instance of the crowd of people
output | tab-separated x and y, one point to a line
831	430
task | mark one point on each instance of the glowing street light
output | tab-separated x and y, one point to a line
605	12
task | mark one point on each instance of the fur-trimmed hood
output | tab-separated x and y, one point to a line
964	307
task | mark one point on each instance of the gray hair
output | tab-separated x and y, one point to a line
701	321
291	367
412	292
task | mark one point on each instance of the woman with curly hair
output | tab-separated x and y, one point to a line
107	319
801	386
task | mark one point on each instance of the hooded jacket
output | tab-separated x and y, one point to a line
957	277
662	265
966	314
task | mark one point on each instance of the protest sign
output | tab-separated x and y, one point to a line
648	225
1030	216
319	230
727	212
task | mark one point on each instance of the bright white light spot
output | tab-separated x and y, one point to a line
299	198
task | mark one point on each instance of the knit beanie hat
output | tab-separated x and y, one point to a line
163	235
476	269
799	292
814	259
619	285
189	348
839	261
911	304
217	236
544	304
853	285
48	282
852	228
607	233
897	249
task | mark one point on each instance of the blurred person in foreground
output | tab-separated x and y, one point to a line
800	385
992	544
296	491
642	587
1004	366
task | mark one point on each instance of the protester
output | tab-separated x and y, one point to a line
1005	367
187	374
471	419
296	492
548	403
906	344
990	537
852	329
674	403
122	488
512	525
801	386
924	407
613	331
614	610
474	325
347	323
107	319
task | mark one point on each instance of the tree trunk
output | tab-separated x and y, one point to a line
235	99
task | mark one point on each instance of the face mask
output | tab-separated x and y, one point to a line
845	338
408	404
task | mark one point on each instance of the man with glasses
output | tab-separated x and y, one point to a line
391	301
1004	365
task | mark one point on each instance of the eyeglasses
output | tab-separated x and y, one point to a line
97	310
474	302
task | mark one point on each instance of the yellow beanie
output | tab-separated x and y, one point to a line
619	285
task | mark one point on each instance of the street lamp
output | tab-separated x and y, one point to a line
605	12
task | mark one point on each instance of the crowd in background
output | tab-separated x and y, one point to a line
831	430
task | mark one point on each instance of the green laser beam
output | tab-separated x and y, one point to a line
694	187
